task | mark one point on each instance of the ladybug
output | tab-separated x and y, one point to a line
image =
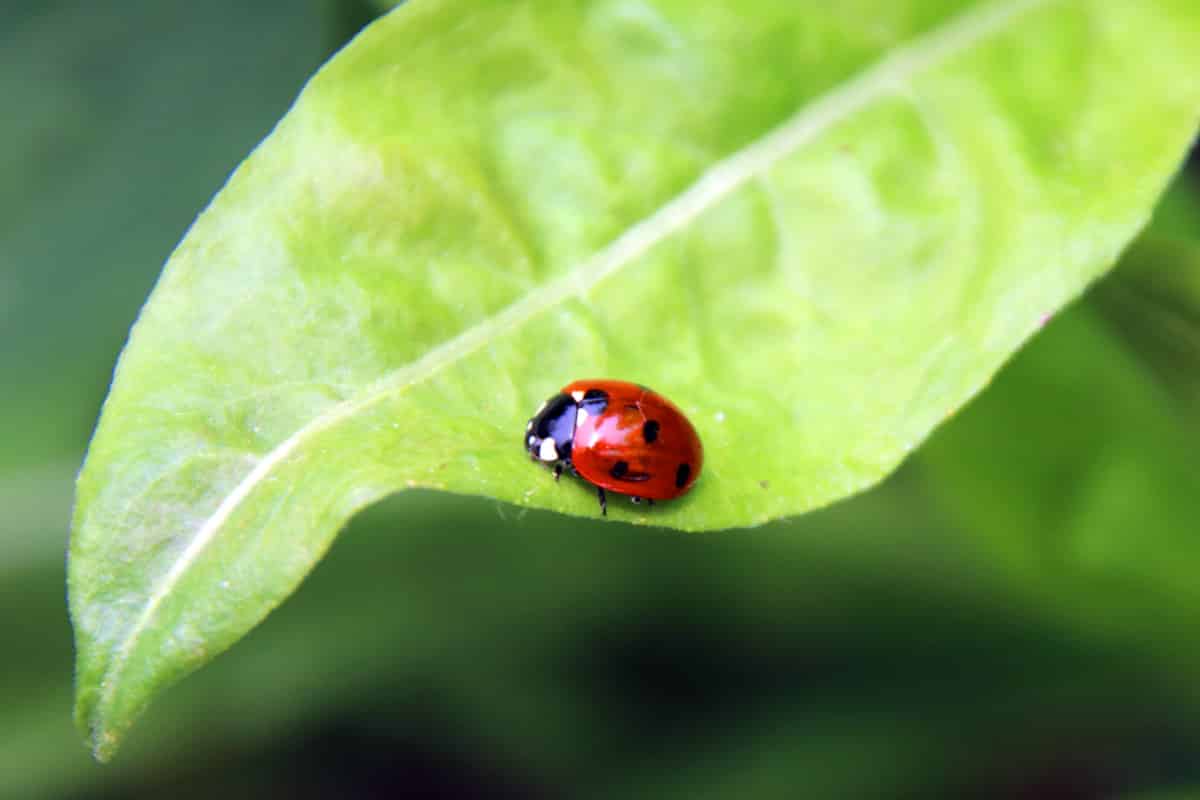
617	436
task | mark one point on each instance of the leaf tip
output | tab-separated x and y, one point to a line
104	746
94	726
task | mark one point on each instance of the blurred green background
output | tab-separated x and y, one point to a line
1013	614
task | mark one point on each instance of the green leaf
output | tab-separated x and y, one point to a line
819	230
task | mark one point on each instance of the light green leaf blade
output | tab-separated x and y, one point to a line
819	235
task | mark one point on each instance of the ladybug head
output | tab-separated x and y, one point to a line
549	434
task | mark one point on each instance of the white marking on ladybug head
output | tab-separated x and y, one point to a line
580	417
548	452
595	437
578	395
532	439
529	425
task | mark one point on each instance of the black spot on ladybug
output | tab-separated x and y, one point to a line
620	471
594	401
650	431
681	475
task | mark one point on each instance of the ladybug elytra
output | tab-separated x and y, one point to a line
617	436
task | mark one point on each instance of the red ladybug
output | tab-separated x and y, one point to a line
618	436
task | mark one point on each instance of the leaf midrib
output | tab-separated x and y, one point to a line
888	74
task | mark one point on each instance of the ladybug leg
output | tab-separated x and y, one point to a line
603	501
649	501
558	470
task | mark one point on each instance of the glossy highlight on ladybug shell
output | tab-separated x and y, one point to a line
617	436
